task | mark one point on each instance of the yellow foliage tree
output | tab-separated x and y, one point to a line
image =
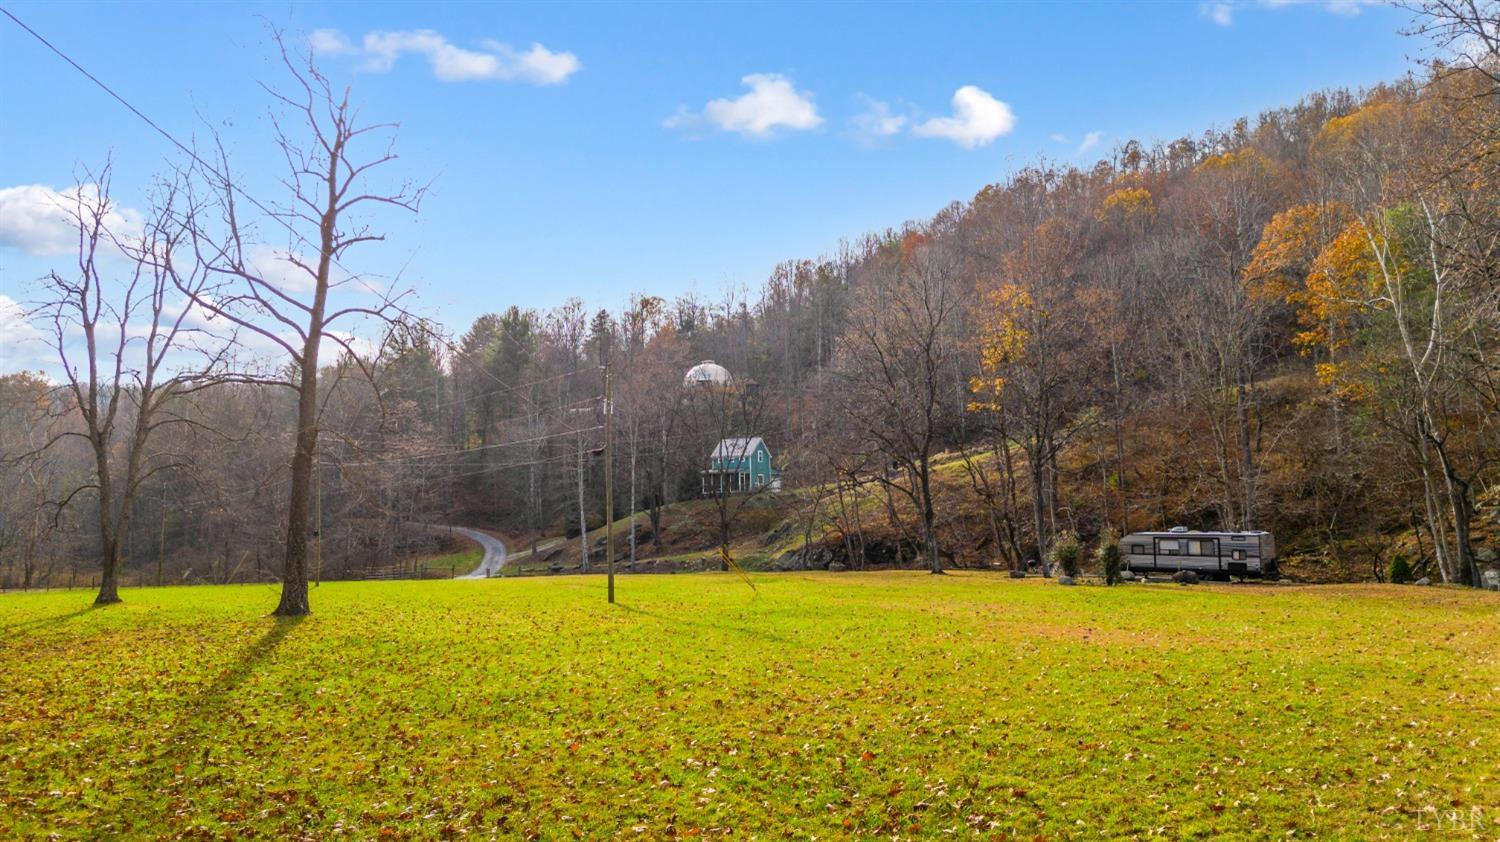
1317	257
1001	343
1128	203
1339	286
1244	162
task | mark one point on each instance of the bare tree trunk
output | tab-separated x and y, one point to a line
844	525
929	517
294	565
583	521
294	570
859	526
1435	520
1221	454
1462	506
1013	508
109	584
109	579
1119	431
660	498
1247	457
1039	506
1052	477
633	450
28	559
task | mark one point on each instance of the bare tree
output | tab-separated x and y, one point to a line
116	342
1468	30
995	486
327	185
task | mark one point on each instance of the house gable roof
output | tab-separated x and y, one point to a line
737	448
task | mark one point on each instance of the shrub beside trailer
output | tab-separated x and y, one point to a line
1218	555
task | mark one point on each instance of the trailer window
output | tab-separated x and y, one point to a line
1166	547
1200	548
1137	549
1239	555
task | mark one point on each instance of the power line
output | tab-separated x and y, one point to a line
240	190
506	388
641	453
163	132
567	459
300	237
469	449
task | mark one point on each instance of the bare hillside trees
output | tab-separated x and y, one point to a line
1035	361
896	372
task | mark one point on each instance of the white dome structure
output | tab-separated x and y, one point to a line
707	373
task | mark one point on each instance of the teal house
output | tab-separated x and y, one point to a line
740	465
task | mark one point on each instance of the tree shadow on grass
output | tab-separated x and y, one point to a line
216	695
46	622
191	740
756	634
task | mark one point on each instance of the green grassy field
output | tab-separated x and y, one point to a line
895	704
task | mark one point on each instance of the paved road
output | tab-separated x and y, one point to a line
494	553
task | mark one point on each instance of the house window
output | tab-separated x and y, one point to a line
759	480
760	456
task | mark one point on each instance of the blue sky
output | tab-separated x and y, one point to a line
597	167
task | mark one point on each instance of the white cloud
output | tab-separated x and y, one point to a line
1345	7
272	266
20	342
451	63
1220	13
772	103
977	120
332	349
876	121
39	220
1338	7
1474	49
329	42
275	266
1090	140
538	65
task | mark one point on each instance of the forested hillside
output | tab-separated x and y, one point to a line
1292	324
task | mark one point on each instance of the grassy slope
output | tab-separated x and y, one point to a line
892	702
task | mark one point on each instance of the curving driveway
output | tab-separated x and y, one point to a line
494	553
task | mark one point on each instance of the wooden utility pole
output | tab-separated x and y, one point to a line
609	482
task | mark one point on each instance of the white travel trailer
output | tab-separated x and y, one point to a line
1217	555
